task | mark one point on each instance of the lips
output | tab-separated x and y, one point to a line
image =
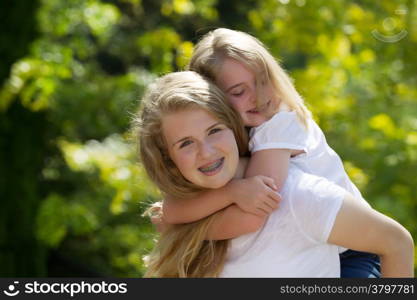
260	109
212	168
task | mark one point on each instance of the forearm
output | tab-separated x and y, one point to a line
177	211
232	222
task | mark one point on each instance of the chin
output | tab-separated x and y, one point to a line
253	122
216	184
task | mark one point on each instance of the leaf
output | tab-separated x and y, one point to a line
51	225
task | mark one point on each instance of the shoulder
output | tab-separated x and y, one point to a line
285	117
283	130
282	123
314	203
310	190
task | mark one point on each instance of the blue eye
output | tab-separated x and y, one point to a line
185	144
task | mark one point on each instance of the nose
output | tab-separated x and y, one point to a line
252	95
206	150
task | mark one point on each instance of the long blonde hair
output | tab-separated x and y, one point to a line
220	44
181	250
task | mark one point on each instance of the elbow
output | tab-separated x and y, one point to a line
408	245
405	243
401	244
255	223
169	217
398	258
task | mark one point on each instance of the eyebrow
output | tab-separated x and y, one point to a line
187	137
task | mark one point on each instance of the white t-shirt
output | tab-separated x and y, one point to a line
285	131
293	241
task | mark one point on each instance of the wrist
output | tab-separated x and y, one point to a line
232	191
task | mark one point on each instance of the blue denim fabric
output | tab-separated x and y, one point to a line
355	264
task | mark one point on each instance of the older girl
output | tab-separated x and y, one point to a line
189	143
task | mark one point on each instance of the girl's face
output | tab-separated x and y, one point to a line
203	149
239	85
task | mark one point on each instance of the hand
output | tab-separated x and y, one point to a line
159	223
257	195
154	212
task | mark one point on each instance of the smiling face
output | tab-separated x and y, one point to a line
239	85
202	148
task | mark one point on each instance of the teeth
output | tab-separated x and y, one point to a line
212	167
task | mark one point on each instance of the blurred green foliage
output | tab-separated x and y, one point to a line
72	76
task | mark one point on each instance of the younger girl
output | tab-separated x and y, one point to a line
282	131
190	141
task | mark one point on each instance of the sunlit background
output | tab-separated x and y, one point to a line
71	76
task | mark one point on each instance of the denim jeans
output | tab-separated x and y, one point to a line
355	264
